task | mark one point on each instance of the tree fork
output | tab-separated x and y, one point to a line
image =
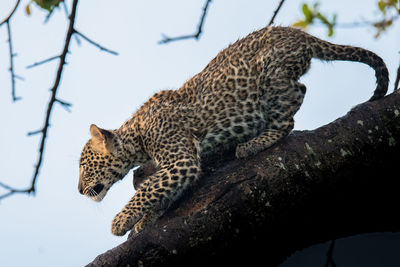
313	186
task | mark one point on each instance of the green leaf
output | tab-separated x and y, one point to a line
48	5
307	13
323	19
300	24
330	31
393	3
382	6
334	19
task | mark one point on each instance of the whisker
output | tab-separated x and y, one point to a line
93	193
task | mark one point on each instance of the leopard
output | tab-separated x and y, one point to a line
244	98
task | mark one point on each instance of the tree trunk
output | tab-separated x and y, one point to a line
313	186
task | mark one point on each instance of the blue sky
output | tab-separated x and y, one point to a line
59	226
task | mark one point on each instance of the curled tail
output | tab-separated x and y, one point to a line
328	51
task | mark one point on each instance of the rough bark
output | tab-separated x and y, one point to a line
338	180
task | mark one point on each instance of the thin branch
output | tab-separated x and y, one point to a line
52	100
329	255
12	191
42	62
65	8
355	24
396	82
196	35
34	132
64	104
366	23
102	48
11	53
363	23
276	12
54	92
7	19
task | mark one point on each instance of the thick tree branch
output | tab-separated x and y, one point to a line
196	35
313	186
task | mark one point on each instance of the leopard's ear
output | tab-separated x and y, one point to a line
102	140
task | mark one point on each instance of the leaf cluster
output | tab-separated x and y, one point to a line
388	12
312	14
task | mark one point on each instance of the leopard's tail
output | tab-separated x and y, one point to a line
328	51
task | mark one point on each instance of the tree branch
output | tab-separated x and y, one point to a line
102	48
11	52
7	19
12	71
276	12
54	92
396	82
53	97
196	35
52	100
313	186
329	255
42	62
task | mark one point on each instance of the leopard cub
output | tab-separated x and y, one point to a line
245	97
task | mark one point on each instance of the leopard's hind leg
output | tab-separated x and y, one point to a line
283	101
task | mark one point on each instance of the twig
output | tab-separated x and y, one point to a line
102	48
11	53
54	91
396	82
354	24
42	62
276	12
64	104
196	35
34	132
329	255
12	191
366	23
7	19
52	100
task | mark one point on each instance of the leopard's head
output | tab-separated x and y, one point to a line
102	163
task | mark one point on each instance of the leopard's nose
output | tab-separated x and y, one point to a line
80	188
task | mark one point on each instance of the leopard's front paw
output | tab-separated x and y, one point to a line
146	220
121	224
139	226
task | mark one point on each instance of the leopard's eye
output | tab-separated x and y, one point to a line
82	168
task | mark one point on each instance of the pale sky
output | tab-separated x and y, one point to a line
60	227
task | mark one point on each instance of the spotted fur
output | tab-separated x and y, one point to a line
245	97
